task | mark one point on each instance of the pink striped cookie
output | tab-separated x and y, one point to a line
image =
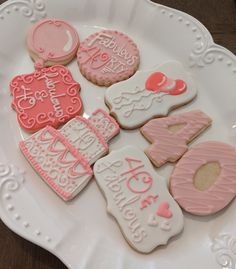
204	180
170	135
51	42
108	57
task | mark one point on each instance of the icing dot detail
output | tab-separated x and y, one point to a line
187	23
234	70
229	63
2	17
171	15
198	37
15	8
194	29
180	19
8	11
163	11
220	58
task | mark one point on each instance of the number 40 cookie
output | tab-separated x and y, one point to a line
138	199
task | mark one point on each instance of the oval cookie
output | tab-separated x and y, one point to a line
204	180
108	57
52	42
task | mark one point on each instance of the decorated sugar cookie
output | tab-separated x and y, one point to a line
90	136
150	94
138	199
170	135
51	42
63	157
204	180
107	57
59	164
49	96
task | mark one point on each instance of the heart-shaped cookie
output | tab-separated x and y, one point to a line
159	82
164	210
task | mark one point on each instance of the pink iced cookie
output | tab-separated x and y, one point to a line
52	42
58	163
170	135
49	96
90	136
108	57
204	180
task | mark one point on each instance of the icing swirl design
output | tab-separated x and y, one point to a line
150	94
220	193
170	146
49	96
59	164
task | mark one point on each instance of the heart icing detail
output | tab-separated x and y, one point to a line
159	82
164	210
152	221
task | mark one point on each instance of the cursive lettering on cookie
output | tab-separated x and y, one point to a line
132	104
134	192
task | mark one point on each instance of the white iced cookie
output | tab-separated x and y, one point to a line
138	199
90	136
150	94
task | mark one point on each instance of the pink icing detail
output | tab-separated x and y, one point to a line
148	201
52	40
105	124
135	174
168	146
164	210
108	57
72	176
220	193
158	82
46	97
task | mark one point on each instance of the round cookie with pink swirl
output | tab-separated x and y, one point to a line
108	57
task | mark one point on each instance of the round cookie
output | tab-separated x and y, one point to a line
52	42
108	57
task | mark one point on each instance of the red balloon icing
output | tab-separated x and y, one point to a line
159	82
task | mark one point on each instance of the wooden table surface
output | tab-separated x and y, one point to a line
219	16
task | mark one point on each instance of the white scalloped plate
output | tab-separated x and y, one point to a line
81	233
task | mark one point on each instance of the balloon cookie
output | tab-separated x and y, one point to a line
150	94
138	199
49	96
51	42
170	135
204	180
107	57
